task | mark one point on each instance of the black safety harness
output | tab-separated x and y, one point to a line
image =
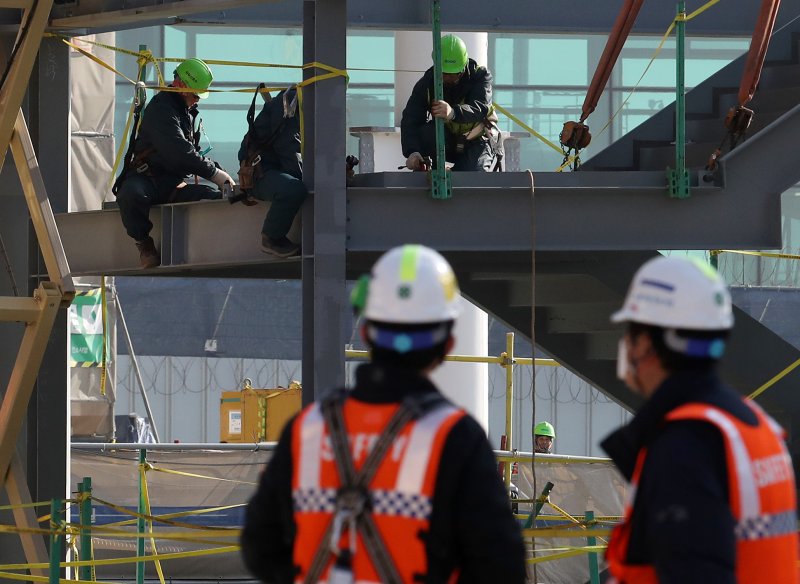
353	511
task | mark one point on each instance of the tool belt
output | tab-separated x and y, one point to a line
139	164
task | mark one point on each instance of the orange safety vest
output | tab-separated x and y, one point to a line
762	499
401	491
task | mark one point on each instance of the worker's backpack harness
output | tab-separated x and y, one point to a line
353	509
250	168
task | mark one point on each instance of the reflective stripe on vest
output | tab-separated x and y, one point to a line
401	492
762	500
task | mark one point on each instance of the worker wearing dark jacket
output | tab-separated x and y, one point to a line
433	494
714	492
273	146
165	154
470	122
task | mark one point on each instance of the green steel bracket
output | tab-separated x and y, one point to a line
594	567
678	183
679	178
540	501
86	573
440	177
56	540
140	524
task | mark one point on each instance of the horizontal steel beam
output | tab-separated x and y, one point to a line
490	213
509	16
574	211
105	15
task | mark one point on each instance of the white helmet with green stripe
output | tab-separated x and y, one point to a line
410	284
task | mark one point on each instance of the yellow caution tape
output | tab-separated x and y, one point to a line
565	532
527	128
128	559
774	380
567	554
199	476
24	506
165	518
764	254
697	12
146	497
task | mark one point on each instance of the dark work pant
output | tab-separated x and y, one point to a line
478	154
286	193
138	193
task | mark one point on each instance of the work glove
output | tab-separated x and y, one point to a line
221	177
442	109
416	162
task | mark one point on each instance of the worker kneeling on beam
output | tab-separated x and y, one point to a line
389	482
163	151
712	481
543	436
471	134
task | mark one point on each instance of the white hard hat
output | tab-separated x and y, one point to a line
412	284
677	293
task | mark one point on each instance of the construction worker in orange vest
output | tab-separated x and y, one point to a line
712	485
388	482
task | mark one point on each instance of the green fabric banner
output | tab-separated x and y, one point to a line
86	329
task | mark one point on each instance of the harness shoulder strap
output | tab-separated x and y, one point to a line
333	413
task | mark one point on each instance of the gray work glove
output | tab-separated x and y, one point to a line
221	177
416	162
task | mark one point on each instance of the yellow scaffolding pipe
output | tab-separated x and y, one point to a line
508	365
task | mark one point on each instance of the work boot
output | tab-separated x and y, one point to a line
148	254
279	246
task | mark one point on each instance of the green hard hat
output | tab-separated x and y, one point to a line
196	75
544	429
454	54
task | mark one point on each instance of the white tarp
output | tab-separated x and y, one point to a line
578	487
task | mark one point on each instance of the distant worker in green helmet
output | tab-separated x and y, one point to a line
471	134
163	152
543	436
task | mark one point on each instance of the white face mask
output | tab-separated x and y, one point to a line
622	359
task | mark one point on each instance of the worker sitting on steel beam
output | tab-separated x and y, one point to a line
388	482
543	436
714	496
165	151
271	167
471	134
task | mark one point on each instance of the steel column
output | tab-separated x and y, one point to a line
324	220
679	177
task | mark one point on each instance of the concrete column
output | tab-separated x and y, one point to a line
467	384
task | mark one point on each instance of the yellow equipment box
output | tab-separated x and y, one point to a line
257	415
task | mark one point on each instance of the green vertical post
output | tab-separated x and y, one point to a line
440	178
140	526
679	178
85	487
55	540
594	567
